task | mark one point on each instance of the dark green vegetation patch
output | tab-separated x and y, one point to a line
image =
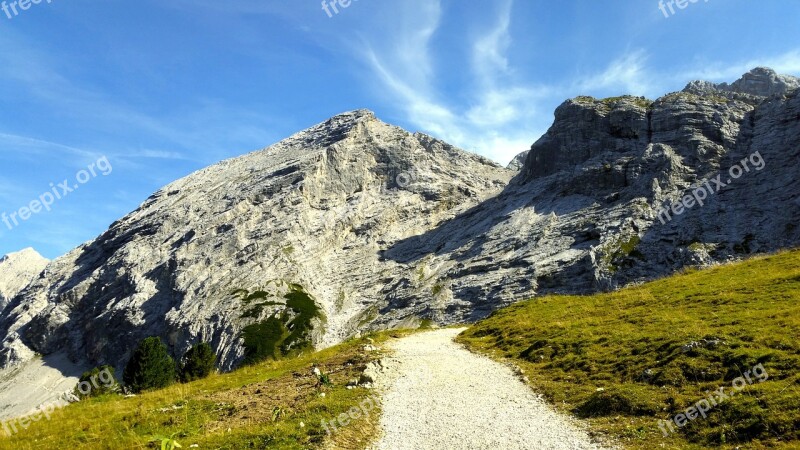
286	333
150	367
198	362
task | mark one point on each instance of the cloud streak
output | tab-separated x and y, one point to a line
495	123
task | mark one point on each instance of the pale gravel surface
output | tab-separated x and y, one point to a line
438	395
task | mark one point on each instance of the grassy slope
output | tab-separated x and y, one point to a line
229	411
618	359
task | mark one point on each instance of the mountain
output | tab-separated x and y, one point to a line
230	246
17	270
587	210
759	82
355	224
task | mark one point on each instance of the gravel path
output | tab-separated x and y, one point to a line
437	395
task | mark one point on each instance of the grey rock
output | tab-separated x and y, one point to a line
17	270
518	161
702	343
759	82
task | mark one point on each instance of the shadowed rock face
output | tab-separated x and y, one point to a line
380	227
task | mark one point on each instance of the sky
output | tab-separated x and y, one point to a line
119	98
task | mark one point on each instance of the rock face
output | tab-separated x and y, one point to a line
759	82
609	169
518	161
292	232
17	270
355	224
587	211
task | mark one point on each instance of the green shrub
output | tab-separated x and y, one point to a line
285	333
299	301
150	367
198	362
98	381
261	340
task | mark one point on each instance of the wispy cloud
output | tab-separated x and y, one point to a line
405	67
497	120
786	63
631	74
25	145
159	154
627	74
40	145
489	51
504	113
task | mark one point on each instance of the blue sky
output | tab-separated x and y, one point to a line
164	88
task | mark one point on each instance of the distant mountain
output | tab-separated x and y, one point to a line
518	161
17	270
355	224
759	82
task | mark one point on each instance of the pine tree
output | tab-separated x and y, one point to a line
150	367
198	362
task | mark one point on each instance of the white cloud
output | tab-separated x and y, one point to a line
497	120
34	146
625	75
489	51
787	63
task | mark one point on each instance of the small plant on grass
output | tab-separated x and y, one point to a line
322	378
198	362
150	367
168	442
276	413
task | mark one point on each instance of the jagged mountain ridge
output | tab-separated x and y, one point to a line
382	227
582	213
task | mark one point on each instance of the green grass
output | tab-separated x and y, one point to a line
611	102
262	340
258	406
626	359
299	301
638	101
254	296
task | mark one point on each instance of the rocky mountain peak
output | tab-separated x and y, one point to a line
25	254
294	230
332	130
601	130
759	82
17	270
